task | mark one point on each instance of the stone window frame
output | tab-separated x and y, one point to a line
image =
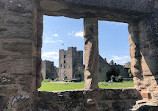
21	41
141	19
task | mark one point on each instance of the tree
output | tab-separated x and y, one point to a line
112	74
65	77
112	62
130	73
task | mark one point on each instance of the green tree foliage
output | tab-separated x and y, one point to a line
47	80
57	79
130	73
113	74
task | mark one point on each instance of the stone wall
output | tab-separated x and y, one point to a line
21	27
82	100
143	51
20	48
49	70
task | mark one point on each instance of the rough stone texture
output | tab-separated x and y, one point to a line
143	51
21	25
49	70
3	102
111	10
91	59
109	100
71	64
18	22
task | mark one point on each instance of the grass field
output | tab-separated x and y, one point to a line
55	86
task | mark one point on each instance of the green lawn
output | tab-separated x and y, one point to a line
54	86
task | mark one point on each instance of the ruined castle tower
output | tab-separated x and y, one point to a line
71	64
49	70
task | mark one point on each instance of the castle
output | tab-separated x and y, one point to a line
71	64
20	58
49	70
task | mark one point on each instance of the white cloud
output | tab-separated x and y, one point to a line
55	35
121	59
79	34
76	34
51	55
53	41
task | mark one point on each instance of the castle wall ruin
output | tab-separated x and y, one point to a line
21	23
48	70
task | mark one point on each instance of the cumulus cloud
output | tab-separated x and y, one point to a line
76	34
79	34
53	41
51	55
121	59
55	35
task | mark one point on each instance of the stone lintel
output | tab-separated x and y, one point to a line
111	10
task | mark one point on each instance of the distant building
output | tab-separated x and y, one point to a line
49	70
71	64
104	67
127	65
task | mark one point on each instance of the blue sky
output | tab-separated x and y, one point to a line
62	32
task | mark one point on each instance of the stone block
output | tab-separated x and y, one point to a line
21	102
27	82
3	28
21	6
146	95
8	91
17	46
18	33
17	20
3	102
21	66
3	56
6	80
2	5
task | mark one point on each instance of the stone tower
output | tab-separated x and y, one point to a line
48	70
71	64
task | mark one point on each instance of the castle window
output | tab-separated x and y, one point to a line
64	56
61	65
64	61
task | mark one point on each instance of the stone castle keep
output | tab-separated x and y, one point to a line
21	28
71	64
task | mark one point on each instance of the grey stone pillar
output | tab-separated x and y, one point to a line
91	53
20	48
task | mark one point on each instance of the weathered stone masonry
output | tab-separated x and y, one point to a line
21	23
48	70
91	53
20	53
71	64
